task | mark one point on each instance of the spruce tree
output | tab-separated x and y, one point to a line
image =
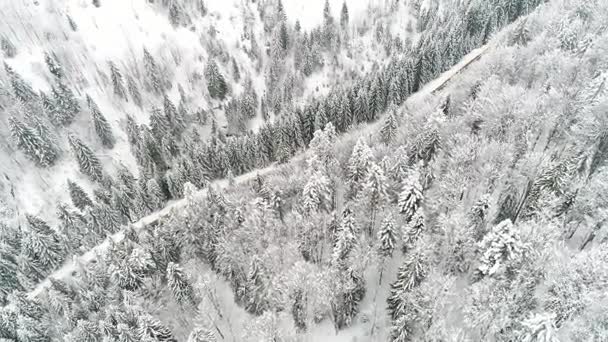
387	236
42	245
8	273
201	335
174	15
358	166
409	276
159	123
102	127
152	73
149	328
154	194
53	65
389	129
236	74
9	49
413	229
42	151
175	117
87	161
344	16
22	90
117	81
346	237
79	197
216	84
410	197
134	91
180	285
66	105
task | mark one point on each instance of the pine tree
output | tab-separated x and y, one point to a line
387	236
87	161
134	91
102	127
72	23
9	49
389	130
344	16
159	123
410	197
346	238
152	73
22	90
201	335
117	81
53	65
175	15
413	229
175	117
216	85
151	329
8	273
79	197
154	194
410	275
29	140
66	105
358	166
180	285
256	301
316	193
236	74
42	244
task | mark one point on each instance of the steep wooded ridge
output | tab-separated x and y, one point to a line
468	211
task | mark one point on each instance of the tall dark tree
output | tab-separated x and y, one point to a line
102	127
134	91
149	328
66	105
344	16
152	71
216	84
180	285
87	161
117	81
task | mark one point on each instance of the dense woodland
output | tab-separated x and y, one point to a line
473	214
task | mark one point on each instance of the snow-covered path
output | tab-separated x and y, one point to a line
66	270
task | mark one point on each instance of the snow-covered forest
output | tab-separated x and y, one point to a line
320	170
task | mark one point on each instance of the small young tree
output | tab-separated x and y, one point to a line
102	127
87	161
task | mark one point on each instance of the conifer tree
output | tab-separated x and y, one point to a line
22	90
87	161
174	14
410	197
358	166
179	284
117	81
102	127
53	65
134	91
387	236
389	130
346	237
344	16
175	117
316	193
256	288
8	274
42	244
41	151
9	49
152	73
155	195
149	328
79	197
216	85
413	229
409	276
66	105
72	23
236	74
201	335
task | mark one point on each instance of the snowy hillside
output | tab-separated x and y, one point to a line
391	170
